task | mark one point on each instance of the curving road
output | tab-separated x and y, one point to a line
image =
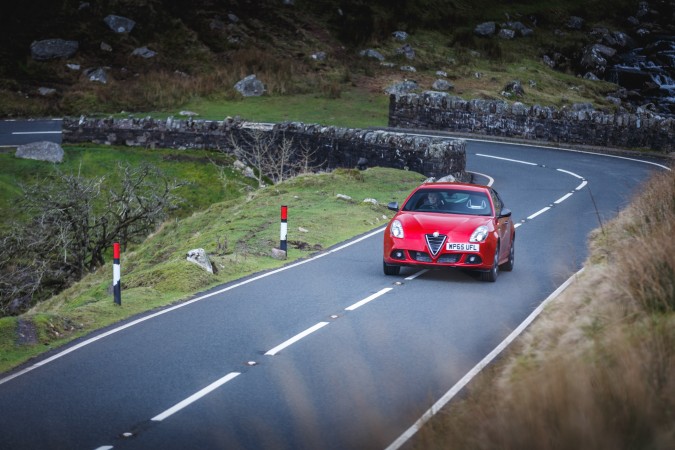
328	353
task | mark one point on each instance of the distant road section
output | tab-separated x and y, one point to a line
18	132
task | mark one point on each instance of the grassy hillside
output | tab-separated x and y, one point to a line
203	50
237	236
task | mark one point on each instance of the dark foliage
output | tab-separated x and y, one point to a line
75	221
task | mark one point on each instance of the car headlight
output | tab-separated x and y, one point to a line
479	234
396	229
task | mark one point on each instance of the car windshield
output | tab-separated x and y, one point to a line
449	201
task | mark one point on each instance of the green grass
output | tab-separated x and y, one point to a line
209	174
354	109
238	234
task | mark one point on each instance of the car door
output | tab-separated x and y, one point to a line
504	225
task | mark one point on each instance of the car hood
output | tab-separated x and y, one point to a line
454	225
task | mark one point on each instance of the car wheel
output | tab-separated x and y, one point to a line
491	275
508	265
390	269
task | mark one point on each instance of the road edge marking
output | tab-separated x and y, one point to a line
235	285
471	374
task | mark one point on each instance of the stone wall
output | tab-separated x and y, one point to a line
578	124
333	147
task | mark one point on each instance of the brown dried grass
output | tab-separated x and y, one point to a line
596	369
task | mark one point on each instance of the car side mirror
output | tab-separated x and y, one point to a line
393	206
505	213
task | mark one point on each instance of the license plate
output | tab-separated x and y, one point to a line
462	247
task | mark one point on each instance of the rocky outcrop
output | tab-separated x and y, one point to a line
250	86
53	49
119	24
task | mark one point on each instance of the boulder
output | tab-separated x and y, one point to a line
250	87
279	254
99	75
46	92
514	87
404	87
144	52
485	29
519	27
370	53
119	24
442	85
198	256
407	51
594	58
53	49
400	35
505	33
41	151
575	23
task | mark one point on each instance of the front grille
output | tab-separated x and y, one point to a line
420	256
450	258
435	243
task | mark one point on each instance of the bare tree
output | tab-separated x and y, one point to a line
254	149
271	155
74	222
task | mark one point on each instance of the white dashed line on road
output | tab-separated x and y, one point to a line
295	338
367	299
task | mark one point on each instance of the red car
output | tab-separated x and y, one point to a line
451	225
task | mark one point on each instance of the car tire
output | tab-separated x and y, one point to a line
491	275
508	265
390	269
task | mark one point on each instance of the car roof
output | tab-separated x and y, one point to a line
453	184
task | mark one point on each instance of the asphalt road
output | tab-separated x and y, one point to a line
18	132
326	354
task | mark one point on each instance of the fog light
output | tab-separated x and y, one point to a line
398	254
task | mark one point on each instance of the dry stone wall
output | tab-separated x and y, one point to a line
333	147
579	124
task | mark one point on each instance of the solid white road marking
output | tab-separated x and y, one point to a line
570	173
367	299
440	403
507	159
182	305
295	338
194	397
549	147
36	132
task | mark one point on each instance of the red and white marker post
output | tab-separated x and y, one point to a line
283	245
117	287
